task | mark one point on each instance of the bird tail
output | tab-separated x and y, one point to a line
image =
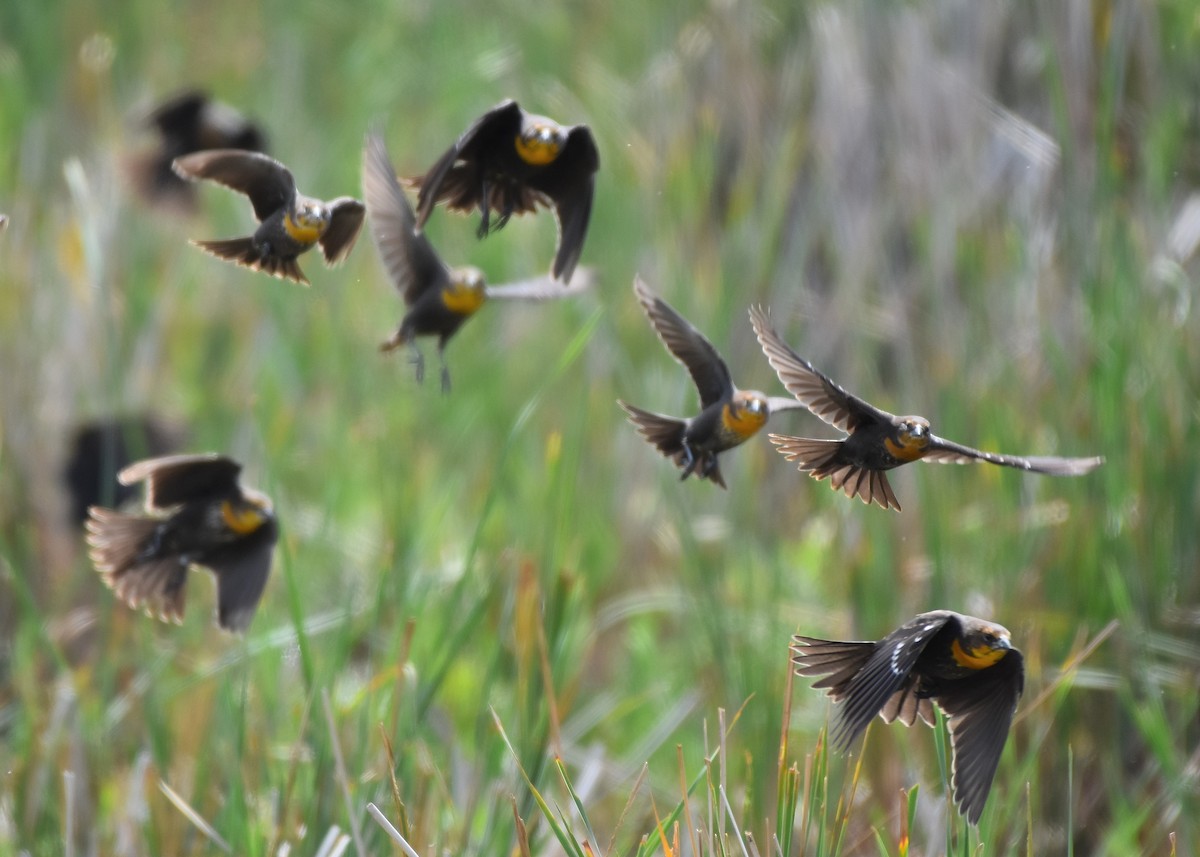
242	251
116	543
666	434
822	459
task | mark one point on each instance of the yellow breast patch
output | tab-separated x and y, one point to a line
305	234
976	659
907	448
536	151
742	422
462	300
242	521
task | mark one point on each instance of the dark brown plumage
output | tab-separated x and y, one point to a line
198	515
510	162
964	665
877	441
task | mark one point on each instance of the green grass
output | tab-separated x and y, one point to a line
529	634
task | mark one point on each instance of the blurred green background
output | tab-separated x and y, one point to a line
983	213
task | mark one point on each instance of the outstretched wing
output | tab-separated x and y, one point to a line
570	182
411	263
241	570
948	452
268	183
542	288
345	220
687	345
980	711
502	120
819	393
175	479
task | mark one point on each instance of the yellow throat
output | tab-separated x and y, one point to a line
305	232
536	150
242	520
463	298
743	422
978	658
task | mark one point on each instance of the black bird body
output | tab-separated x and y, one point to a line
188	122
198	515
510	162
964	665
728	416
439	299
877	441
101	448
290	223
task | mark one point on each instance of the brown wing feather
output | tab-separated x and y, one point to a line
980	711
819	393
268	183
410	261
505	117
345	221
945	451
175	479
687	345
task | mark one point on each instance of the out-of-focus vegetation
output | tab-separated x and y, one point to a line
984	213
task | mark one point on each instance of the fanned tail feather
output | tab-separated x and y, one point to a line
666	434
241	251
821	460
116	542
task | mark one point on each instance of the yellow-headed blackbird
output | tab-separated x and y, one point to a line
439	298
967	666
189	122
509	162
199	515
728	416
877	441
291	222
100	449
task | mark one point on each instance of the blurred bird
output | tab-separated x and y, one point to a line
3	221
188	122
728	416
199	515
877	441
964	665
439	298
510	162
291	222
100	448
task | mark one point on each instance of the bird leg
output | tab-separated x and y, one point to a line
445	368
416	358
484	210
690	461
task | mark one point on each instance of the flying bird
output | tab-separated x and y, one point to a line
100	448
728	416
964	665
197	515
876	440
290	222
510	162
439	298
187	122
